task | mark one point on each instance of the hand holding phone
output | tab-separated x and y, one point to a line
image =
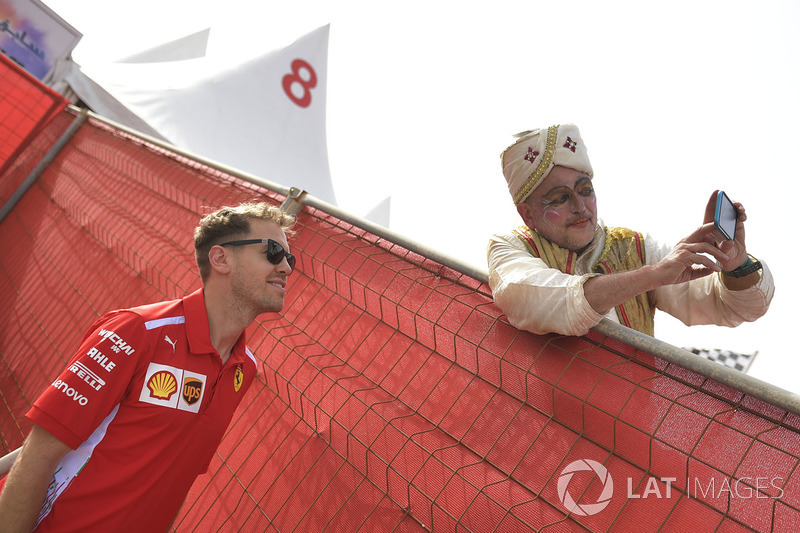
725	216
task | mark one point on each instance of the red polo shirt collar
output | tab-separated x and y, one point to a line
197	330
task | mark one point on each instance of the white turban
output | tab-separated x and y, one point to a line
527	162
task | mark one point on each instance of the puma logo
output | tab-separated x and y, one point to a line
172	342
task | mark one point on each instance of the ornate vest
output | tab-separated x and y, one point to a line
623	250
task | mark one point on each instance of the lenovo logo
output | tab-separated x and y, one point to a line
70	392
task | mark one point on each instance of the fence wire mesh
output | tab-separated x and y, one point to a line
392	395
25	107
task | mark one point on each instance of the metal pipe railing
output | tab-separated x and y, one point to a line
742	382
51	154
700	365
314	202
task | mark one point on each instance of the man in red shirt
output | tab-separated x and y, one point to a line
119	437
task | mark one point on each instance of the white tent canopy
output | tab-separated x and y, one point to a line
265	115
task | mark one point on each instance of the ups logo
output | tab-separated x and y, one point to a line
192	390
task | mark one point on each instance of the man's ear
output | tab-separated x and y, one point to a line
219	258
524	211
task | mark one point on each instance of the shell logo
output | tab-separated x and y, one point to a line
162	385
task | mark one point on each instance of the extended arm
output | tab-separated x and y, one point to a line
685	262
28	481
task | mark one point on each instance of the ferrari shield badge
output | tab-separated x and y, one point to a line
238	378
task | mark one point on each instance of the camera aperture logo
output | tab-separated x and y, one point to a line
586	509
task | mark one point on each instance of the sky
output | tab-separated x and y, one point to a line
673	100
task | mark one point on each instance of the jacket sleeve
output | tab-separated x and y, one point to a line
535	297
706	300
94	381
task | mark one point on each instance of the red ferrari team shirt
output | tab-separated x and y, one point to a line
144	404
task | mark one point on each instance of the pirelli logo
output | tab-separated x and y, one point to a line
173	387
85	373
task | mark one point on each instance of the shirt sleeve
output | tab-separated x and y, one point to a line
94	381
535	297
706	300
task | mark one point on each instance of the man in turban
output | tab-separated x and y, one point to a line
564	270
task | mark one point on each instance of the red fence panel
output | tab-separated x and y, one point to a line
393	395
25	107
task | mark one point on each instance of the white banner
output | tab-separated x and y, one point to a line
265	116
34	36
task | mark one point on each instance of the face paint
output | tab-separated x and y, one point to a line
552	215
560	208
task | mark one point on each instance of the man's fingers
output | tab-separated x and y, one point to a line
711	207
696	249
700	259
701	272
701	233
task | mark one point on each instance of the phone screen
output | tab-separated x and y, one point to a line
725	216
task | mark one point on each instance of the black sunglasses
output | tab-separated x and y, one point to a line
275	252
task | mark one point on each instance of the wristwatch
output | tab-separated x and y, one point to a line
751	265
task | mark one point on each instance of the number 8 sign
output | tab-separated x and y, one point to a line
289	80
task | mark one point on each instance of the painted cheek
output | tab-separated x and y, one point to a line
552	215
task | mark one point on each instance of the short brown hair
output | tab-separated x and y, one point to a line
227	222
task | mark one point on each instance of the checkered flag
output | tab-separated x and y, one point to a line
737	361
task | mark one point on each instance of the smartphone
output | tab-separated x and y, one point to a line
725	216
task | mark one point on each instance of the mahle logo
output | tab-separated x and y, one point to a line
586	509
